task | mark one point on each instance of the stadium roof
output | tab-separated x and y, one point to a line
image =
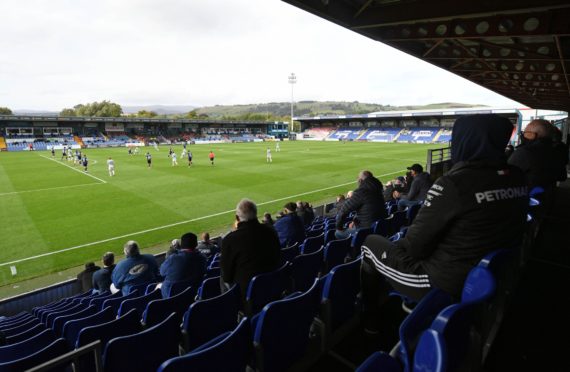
517	48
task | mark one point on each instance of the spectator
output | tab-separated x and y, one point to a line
135	269
102	278
187	264
251	249
478	206
84	278
290	227
267	219
418	190
536	156
207	247
509	150
366	200
340	199
560	153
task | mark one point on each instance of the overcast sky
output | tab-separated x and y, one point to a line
58	53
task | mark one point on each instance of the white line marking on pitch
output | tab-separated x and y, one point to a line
181	222
50	188
75	169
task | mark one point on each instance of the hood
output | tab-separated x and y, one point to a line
480	137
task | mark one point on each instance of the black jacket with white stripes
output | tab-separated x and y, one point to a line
477	207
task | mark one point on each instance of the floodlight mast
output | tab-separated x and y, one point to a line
292	81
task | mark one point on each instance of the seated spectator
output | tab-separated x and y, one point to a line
478	206
186	264
340	199
251	249
418	190
305	211
84	278
207	247
102	278
135	269
368	202
290	227
267	219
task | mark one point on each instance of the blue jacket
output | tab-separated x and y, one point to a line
184	265
290	229
135	270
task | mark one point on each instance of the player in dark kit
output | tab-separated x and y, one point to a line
85	162
149	159
52	152
189	158
211	156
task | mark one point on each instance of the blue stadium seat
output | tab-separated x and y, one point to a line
38	328
51	316
380	361
17	322
138	303
229	352
312	244
98	302
289	253
204	320
43	314
72	328
158	310
140	287
357	240
115	302
431	353
282	328
411	213
267	287
128	324
330	235
381	227
335	253
210	288
27	347
213	272
60	321
87	300
144	351
305	269
399	219
56	348
8	319
7	332
150	288
179	287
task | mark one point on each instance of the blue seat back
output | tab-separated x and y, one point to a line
43	314
144	351
335	252
412	212
289	253
431	353
7	332
339	294
358	239
60	321
17	322
98	302
138	303
125	325
267	287
418	321
399	219
212	272
38	328
229	352
87	300
381	227
210	318
139	287
380	361
158	310
51	316
480	285
282	330
54	349
313	244
305	268
115	302
27	347
72	328
210	288
179	287
9	319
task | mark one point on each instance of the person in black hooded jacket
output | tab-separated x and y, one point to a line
479	206
368	202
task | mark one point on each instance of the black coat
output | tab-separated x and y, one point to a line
253	248
368	202
539	162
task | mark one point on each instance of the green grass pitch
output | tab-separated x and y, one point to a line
54	217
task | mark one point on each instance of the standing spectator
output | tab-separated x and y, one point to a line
418	190
186	264
251	249
85	277
135	269
102	278
207	247
478	206
290	227
368	202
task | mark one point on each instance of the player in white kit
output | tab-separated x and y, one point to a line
174	161
277	148
269	159
111	166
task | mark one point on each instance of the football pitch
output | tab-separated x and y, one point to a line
55	216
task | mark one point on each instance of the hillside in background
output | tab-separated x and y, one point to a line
315	108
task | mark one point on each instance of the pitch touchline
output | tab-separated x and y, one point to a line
179	223
50	188
75	169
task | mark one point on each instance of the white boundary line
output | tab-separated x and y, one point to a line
75	169
50	188
181	222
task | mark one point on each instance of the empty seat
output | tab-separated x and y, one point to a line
207	319
38	328
51	351
98	302
72	328
229	352
358	239
305	268
7	332
128	324
27	347
210	288
289	253
267	287
178	287
115	302
313	244
158	310
60	321
335	253
53	315
144	351
138	303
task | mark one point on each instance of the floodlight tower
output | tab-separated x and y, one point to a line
292	81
